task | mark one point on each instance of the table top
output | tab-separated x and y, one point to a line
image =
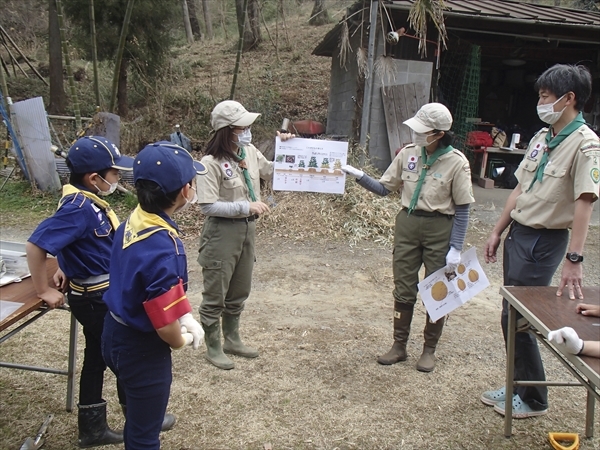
547	312
24	292
506	150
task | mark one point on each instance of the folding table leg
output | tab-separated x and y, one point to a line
72	364
510	370
589	416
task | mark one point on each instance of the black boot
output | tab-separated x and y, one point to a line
93	429
432	334
403	314
168	421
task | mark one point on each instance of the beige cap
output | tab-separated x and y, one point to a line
432	116
232	113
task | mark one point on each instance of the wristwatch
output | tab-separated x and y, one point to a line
574	257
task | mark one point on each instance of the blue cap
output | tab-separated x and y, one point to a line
167	164
95	153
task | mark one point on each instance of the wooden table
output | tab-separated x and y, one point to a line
546	312
24	293
503	152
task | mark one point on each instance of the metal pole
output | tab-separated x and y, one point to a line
366	107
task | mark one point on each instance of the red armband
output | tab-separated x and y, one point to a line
168	307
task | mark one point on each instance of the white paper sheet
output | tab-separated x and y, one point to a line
310	165
442	293
7	308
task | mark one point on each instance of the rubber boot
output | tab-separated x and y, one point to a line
231	332
214	351
93	429
403	314
431	333
168	421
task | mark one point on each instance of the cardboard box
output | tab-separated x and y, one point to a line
486	183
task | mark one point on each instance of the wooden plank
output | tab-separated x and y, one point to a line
401	102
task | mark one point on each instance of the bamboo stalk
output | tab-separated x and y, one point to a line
13	60
94	53
65	47
23	56
3	84
239	51
186	22
122	39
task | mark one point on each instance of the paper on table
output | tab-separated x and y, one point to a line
7	308
442	293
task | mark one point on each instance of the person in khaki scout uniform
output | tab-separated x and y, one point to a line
229	195
558	183
430	228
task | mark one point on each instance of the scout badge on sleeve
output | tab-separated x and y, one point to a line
227	169
168	307
412	163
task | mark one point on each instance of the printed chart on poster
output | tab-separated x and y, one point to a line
442	293
310	165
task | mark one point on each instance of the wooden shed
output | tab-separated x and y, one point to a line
495	51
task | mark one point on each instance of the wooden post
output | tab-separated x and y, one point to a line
366	107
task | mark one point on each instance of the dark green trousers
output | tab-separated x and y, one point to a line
418	240
226	256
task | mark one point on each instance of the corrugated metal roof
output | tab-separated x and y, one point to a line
512	11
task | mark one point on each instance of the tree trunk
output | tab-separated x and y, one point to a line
186	22
58	99
319	15
122	106
194	19
252	27
207	19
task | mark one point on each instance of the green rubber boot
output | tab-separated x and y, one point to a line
233	344
214	351
432	334
403	314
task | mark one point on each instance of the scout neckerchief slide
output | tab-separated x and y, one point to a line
427	163
241	157
69	189
552	143
141	225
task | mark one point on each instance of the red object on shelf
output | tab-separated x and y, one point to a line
479	139
308	127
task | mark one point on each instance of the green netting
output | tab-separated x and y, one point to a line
459	89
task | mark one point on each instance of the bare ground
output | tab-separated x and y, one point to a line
320	312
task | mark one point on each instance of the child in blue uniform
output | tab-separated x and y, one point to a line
80	234
149	311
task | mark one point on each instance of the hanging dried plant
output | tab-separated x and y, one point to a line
361	61
345	47
385	69
420	11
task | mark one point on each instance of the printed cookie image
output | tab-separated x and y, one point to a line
473	275
461	284
461	268
439	291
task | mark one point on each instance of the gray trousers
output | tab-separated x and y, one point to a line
531	256
226	256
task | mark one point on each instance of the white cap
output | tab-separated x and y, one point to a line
432	116
231	113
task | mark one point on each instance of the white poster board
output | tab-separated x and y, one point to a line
442	293
309	165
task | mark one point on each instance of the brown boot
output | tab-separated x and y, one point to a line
403	313
431	333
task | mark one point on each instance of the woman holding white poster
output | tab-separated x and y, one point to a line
229	195
435	180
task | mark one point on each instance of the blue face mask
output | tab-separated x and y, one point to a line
244	138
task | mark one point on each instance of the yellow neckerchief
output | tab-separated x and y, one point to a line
69	189
141	224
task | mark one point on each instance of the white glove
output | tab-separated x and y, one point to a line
452	260
192	326
353	172
568	337
188	339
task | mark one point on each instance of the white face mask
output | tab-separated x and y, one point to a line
113	187
244	138
189	202
547	114
420	139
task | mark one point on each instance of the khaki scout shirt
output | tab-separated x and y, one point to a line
447	183
225	181
572	170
